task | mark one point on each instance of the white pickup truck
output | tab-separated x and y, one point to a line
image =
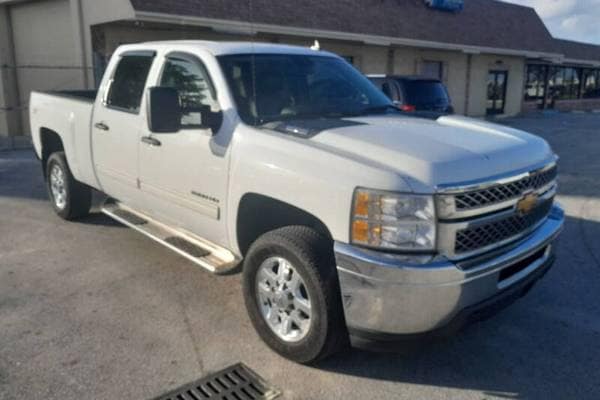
348	218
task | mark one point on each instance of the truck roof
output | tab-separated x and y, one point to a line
227	48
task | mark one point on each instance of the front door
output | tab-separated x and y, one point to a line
116	125
496	92
184	175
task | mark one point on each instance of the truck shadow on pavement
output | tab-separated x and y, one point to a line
544	346
21	178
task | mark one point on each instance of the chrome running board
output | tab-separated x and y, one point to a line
209	256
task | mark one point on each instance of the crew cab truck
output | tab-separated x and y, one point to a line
347	218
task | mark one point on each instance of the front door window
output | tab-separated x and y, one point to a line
496	92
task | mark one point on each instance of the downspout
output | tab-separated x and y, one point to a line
391	61
77	13
468	82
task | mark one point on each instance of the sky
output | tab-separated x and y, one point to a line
569	19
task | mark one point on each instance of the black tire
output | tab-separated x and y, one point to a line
78	199
312	256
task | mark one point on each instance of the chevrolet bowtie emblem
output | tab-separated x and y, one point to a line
527	203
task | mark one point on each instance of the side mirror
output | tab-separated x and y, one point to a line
164	111
210	119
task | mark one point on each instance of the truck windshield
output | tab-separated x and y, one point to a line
276	87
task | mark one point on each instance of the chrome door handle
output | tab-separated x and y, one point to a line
102	126
151	141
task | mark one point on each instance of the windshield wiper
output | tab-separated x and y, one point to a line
315	115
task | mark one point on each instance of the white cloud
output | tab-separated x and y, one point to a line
569	19
580	25
550	8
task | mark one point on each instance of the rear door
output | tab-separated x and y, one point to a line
184	175
116	124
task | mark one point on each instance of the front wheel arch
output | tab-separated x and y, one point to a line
259	214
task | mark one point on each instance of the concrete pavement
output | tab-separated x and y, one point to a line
93	310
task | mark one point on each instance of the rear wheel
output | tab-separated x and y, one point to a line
70	199
292	294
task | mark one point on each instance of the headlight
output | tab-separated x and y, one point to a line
393	221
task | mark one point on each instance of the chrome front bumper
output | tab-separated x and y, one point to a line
384	294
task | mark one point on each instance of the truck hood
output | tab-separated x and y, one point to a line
449	150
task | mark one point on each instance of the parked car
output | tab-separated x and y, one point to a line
347	218
415	94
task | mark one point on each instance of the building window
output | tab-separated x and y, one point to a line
536	82
591	84
564	83
432	69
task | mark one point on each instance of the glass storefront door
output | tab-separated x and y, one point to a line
496	92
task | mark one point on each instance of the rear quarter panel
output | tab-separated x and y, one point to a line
70	118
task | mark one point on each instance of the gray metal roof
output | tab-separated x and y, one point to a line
483	23
578	50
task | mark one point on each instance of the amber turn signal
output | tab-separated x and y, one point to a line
360	231
361	204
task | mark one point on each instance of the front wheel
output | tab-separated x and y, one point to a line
292	295
70	199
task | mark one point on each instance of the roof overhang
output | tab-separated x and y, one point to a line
567	61
248	28
589	63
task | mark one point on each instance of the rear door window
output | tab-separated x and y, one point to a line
426	93
128	82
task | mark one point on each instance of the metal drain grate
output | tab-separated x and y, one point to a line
188	247
237	382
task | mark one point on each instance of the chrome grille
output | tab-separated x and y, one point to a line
478	237
500	193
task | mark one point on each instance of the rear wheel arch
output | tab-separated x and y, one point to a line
51	142
259	214
70	199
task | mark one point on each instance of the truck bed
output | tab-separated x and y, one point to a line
68	114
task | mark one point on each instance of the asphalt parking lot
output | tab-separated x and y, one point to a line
93	310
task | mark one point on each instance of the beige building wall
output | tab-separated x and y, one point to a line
51	43
482	64
408	61
45	51
372	59
369	59
116	35
10	118
46	45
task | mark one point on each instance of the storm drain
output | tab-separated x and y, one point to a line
237	382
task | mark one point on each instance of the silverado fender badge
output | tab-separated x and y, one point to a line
527	203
